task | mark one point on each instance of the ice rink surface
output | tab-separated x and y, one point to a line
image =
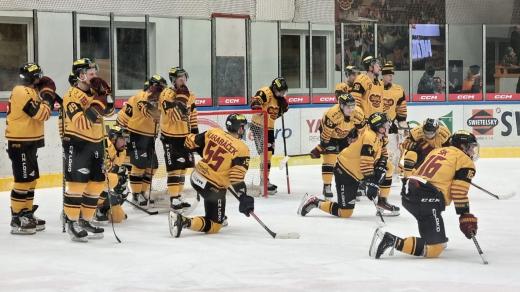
331	255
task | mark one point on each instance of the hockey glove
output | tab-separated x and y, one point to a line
99	87
247	204
47	90
468	224
255	105
368	188
284	106
316	152
352	136
380	169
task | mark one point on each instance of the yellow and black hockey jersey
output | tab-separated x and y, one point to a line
174	122
358	158
368	94
450	170
225	159
334	124
394	102
416	146
113	161
265	97
77	125
135	117
26	115
342	87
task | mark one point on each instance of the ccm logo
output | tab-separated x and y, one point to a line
295	99
428	97
466	96
201	101
232	101
503	96
327	99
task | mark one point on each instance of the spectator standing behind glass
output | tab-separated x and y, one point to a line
426	84
472	83
515	41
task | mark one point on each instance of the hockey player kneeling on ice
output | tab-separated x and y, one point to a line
444	176
336	125
112	198
359	168
84	106
225	160
30	106
140	117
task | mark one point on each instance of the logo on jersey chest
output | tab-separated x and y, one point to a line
375	100
273	112
387	103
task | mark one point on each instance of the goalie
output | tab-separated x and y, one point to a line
225	160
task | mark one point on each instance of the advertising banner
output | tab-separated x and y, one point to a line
494	125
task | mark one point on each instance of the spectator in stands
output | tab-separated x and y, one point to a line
515	41
510	59
426	84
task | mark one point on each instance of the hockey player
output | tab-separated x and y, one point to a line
368	90
360	168
351	72
178	120
272	100
225	160
115	154
30	106
84	106
430	135
394	105
140	117
445	176
336	132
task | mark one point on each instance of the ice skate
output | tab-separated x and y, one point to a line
308	203
21	224
387	209
76	232
381	241
94	232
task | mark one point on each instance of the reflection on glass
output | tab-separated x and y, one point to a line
358	43
94	44
393	45
502	59
319	61
131	63
291	60
13	53
428	56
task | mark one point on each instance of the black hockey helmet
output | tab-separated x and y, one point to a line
388	68
82	65
346	99
280	84
30	72
115	133
234	122
176	72
465	140
430	127
370	61
156	84
350	70
377	121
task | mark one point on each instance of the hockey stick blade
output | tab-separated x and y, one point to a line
507	197
141	208
290	235
283	162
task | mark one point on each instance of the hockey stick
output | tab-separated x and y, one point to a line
505	197
290	235
480	252
109	194
141	208
378	212
285	154
283	162
62	114
155	130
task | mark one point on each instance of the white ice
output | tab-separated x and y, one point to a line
331	255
